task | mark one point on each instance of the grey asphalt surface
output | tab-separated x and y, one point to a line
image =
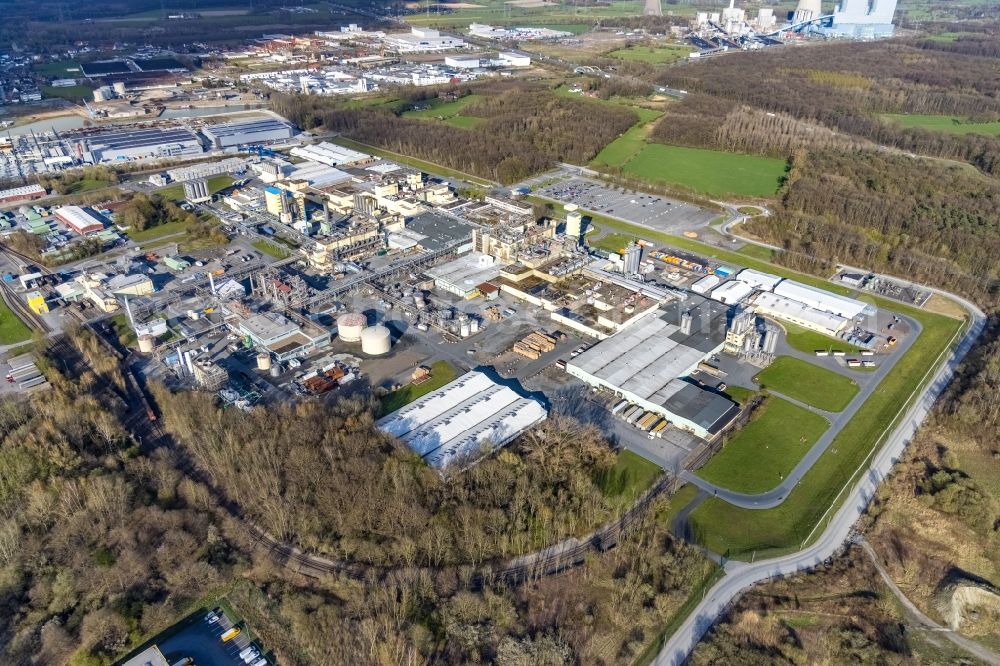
200	641
868	386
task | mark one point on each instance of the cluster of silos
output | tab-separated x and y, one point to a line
353	327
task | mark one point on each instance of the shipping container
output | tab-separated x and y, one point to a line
633	416
659	427
619	407
822	352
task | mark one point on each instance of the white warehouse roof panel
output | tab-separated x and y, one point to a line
732	291
821	300
459	418
759	280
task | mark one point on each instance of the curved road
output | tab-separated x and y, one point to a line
741	575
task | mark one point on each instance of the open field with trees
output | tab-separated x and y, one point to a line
939	123
708	171
525	129
759	456
808	383
442	372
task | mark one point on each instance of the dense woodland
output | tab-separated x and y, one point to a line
103	544
931	221
525	130
327	479
844	86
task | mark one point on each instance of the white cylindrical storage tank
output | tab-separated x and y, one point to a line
350	326
474	326
574	224
376	340
463	329
145	343
263	361
276	370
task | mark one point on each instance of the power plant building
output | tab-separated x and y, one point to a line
245	132
462	419
645	364
863	19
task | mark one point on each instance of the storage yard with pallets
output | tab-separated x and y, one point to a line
534	345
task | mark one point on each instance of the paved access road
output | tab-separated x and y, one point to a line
741	575
869	385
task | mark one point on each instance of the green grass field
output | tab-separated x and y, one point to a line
58	68
442	372
12	329
711	172
757	252
807	341
71	93
271	249
624	148
739	393
441	109
612	242
808	383
654	55
763	452
949	124
630	477
743	532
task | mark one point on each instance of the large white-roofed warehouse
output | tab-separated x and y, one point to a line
645	363
244	132
462	419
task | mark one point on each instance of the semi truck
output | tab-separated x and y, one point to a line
619	407
657	430
634	415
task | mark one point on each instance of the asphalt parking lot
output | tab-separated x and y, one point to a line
660	213
199	640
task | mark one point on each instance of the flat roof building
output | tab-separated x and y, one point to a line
461	419
463	275
758	280
435	231
331	154
134	143
842	306
796	312
644	364
244	132
281	336
732	292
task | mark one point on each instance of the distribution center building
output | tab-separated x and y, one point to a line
134	143
245	132
645	363
461	419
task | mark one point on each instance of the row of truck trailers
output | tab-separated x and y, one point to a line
648	422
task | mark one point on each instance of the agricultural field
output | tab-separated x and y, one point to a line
711	172
653	55
808	383
766	449
949	124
